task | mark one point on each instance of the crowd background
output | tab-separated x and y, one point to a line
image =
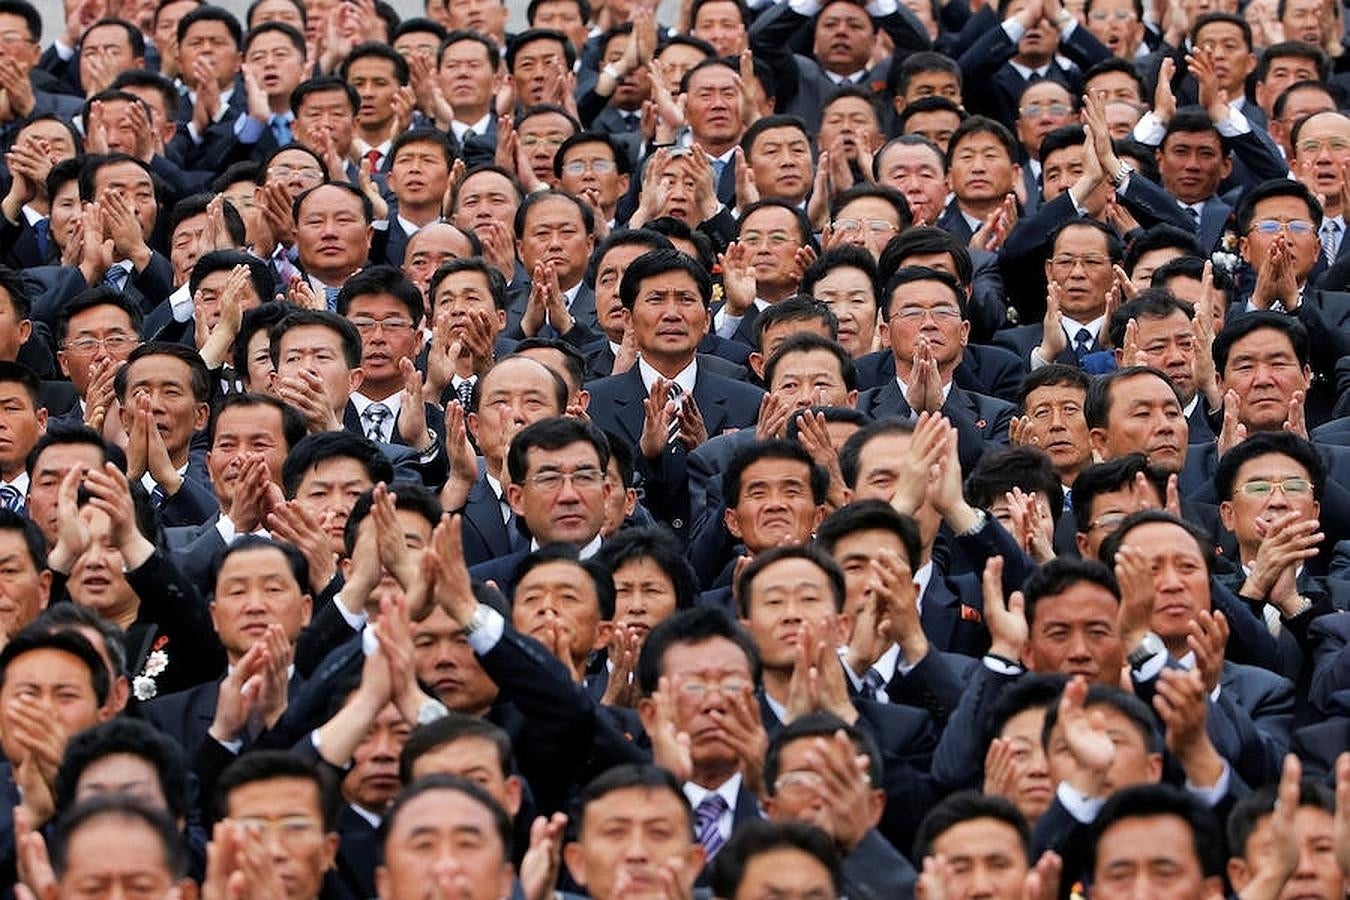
774	449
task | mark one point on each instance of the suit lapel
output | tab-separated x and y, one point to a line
628	403
711	405
939	614
492	526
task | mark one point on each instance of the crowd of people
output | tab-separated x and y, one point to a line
795	449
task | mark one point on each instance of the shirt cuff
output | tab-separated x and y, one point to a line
879	9
1013	29
228	532
247	130
725	325
1149	129
1150	670
999	667
193	134
1235	125
487	637
807	8
1083	809
66	54
355	621
233	746
1067	31
1210	796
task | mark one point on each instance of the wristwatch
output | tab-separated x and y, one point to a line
1119	176
481	615
1148	648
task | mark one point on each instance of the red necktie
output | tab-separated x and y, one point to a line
374	157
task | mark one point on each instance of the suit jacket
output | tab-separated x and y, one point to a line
955	224
358	853
432	473
979	420
984	369
616	406
1319	745
51	286
585	330
485	534
185	716
1330	689
218	147
1025	338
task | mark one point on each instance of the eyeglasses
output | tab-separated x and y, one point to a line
698	688
876	226
1032	110
288	828
1296	227
940	314
598	166
534	140
582	479
1067	263
804	779
1313	145
1290	487
10	38
774	238
1120	15
366	325
1110	522
308	173
113	343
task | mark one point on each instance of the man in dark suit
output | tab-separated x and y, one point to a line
555	236
928	333
466	70
983	169
419	174
842	45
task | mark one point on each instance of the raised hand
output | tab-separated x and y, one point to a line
670	746
1007	624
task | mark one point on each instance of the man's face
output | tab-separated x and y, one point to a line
467	75
1233	59
243	431
1180	577
937	125
254	590
634	87
295	170
678	59
460	294
135	185
627	836
1033	792
326	111
720	24
564	16
1260	497
1305	101
211	41
713	109
265	11
185	247
167	381
475	759
981	169
376	84
591	167
279	64
851	296
48	470
844	34
487	16
1265	372
513	394
18	42
775	507
317	349
110	45
54	683
781	161
869	223
927	311
1074	633
933	84
1305	249
54	133
1060	170
535	63
854	553
1302	21
1041	40
644	595
1323	147
290	815
1149	262
773	236
775	335
811	378
706	677
1117	86
1109	509
570	510
207	301
540	137
1081	263
117	856
388	336
329	490
786	596
785	872
372	781
1057	426
1316	876
1169	346
446	663
20	427
608	274
1282	71
65	212
432	245
1133	763
123	774
331	232
23	589
439	833
1192	163
916	172
1151	856
855	121
560	597
1116	24
1045	106
419	174
555	233
485	197
986	859
669	317
1145	417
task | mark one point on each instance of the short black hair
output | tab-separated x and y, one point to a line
490	169
199	377
210	13
94	163
871	515
253	8
851	454
798	308
26	11
1097	406
33	541
1297	50
530	36
1228	18
1285	443
1062	137
808	552
74	433
601	578
844	256
982	125
1115	249
326	445
632	775
259	273
804	229
1240	326
882	192
126	809
459	35
966	806
764	123
144	78
691	626
12	372
449	728
929	105
1062	573
1028	468
1115	63
367	209
821	724
1308	84
759	836
776	448
1266	190
295	560
1150	303
1111	546
37	637
1160	237
658	546
1031	691
659	262
1152	800
268	765
260	318
1139	713
924	240
534	199
806	342
1052	375
377	50
293	427
285	29
131	736
321	84
622	163
135	39
501	821
911	274
553	433
1192	120
1106	477
424	135
625	237
411	496
1193	267
382	279
920	63
299	318
1248	812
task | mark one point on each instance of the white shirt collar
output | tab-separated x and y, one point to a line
854	78
366	814
974	222
729	790
904	389
1190	407
585	552
394	402
148	481
685	378
1072	326
30	215
1025	71
922	578
480	127
409	228
20	483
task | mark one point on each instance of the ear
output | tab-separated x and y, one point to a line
623	184
732	522
876	805
756	361
1226	514
965	332
358	377
41	416
584	399
513	498
330	848
1155	762
199	420
1081	540
646	710
25	330
382	885
1238	873
630	501
306	609
574	856
1097	439
1227	167
513	793
603	632
61	361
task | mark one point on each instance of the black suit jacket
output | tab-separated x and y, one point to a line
485	534
979	420
984	369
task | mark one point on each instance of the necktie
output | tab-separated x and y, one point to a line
1331	240
115	277
10	498
1082	343
374	157
1068	499
157	497
1195	218
42	230
707	814
719	166
469	134
374	416
281	130
630	121
673	429
874	685
465	392
331	294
